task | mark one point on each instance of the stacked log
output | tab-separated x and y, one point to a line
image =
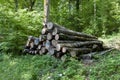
57	40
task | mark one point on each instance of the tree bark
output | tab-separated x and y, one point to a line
74	52
77	44
42	38
74	38
46	10
62	29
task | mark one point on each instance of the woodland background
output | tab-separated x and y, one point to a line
21	18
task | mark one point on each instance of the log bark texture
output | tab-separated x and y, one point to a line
74	38
57	40
62	29
79	44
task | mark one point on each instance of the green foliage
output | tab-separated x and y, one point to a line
98	17
94	17
16	26
108	68
28	67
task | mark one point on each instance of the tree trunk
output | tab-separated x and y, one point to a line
74	38
74	52
61	29
46	10
77	5
77	44
32	2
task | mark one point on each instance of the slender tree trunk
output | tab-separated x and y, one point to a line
46	10
32	2
77	5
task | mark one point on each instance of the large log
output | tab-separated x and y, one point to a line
66	49
42	38
43	50
92	54
62	29
36	41
73	38
67	41
40	52
39	47
49	36
77	44
54	31
44	43
47	44
46	10
51	50
54	42
45	31
30	39
74	52
31	45
58	54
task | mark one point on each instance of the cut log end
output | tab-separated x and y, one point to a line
51	51
36	41
44	31
58	47
73	54
39	47
43	50
64	49
49	25
47	44
49	36
54	43
57	37
55	31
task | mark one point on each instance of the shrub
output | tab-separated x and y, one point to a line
16	26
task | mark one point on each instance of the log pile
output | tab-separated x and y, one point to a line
56	40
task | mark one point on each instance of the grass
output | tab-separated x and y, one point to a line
28	67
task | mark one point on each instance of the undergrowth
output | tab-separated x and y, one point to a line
29	67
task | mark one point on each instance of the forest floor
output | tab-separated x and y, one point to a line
29	67
112	41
